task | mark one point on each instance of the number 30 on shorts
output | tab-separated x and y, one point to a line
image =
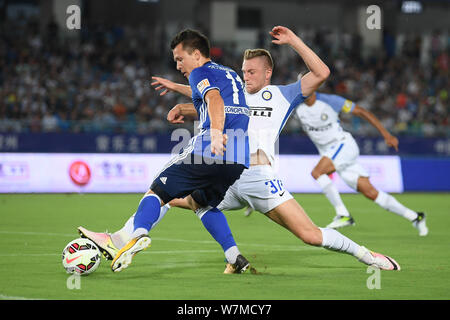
275	185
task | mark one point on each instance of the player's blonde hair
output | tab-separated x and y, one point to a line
253	53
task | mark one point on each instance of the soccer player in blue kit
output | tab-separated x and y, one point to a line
207	166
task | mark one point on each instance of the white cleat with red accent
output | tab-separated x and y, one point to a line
377	260
102	240
384	262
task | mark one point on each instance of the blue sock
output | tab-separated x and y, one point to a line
217	225
147	213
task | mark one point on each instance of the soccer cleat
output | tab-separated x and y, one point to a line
125	255
377	260
341	221
248	211
384	262
240	266
102	240
419	224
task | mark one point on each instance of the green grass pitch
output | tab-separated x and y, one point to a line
184	262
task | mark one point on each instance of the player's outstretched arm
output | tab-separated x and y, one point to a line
390	140
319	71
216	112
181	111
166	85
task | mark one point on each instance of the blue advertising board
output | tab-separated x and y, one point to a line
164	143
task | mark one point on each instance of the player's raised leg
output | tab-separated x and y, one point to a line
292	216
388	202
320	172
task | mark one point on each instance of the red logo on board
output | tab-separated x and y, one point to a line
80	173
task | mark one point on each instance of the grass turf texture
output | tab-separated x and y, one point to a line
184	262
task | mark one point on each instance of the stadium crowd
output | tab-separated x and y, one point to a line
101	82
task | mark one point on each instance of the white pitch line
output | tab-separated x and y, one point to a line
145	252
270	246
27	233
151	252
5	297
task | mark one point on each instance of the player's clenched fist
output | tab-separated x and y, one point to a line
175	116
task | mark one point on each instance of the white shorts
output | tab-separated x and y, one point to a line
344	154
258	187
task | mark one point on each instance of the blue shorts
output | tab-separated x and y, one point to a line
206	183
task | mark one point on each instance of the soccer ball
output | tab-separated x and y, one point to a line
81	256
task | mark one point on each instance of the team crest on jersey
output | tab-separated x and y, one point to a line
267	95
202	85
324	117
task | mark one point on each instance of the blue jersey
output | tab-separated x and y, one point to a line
215	76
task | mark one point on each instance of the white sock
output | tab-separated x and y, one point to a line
231	254
121	237
139	232
333	240
162	213
389	203
332	194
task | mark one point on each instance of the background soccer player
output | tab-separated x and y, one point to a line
319	115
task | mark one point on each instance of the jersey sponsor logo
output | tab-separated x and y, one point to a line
261	111
202	85
237	110
347	106
318	129
267	95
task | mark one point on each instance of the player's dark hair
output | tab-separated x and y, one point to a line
191	40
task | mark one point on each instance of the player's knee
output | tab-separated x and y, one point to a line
369	191
366	188
192	204
316	174
198	199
